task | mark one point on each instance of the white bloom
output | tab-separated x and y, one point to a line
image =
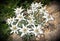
36	5
29	11
32	5
46	14
20	17
31	16
40	5
51	18
43	10
10	20
34	8
18	10
24	30
31	22
37	30
48	17
14	29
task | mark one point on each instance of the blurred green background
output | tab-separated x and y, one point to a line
6	11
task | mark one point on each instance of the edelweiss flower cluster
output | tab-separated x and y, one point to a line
32	22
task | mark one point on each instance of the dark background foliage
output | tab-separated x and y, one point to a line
6	11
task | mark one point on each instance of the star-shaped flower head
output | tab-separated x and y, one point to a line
18	10
24	30
37	30
31	16
20	17
36	5
10	20
31	20
40	5
43	10
14	29
33	8
51	17
48	17
32	5
29	11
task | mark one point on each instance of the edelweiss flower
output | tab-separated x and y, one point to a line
14	29
29	11
51	17
30	22
20	17
37	30
40	5
31	16
32	5
33	8
10	20
18	10
24	30
48	17
43	10
36	5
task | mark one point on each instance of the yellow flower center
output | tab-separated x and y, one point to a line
14	28
36	30
30	21
20	16
24	29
